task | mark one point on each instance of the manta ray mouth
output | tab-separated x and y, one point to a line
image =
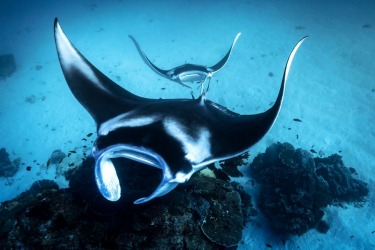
107	179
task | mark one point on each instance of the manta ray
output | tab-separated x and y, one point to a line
177	136
187	72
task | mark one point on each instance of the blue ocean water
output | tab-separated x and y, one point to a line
331	86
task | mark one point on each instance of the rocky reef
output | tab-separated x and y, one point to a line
8	168
204	213
295	187
230	166
207	212
57	156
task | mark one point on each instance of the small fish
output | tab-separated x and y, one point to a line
34	161
61	160
84	146
373	232
268	245
351	236
71	164
313	151
84	139
48	162
284	242
89	134
69	154
28	168
297	120
297	136
72	151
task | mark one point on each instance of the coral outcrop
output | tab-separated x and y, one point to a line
204	213
8	168
295	187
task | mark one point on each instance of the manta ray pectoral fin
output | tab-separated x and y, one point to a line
291	57
161	72
224	60
264	121
99	95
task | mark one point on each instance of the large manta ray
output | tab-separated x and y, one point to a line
177	136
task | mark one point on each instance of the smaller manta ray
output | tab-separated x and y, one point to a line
188	72
177	136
